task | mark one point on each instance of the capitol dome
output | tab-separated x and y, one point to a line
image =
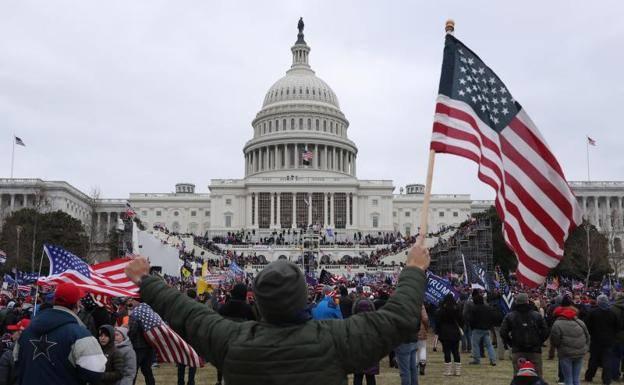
300	125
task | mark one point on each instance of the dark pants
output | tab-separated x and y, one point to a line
599	356
191	376
358	379
451	348
145	359
616	365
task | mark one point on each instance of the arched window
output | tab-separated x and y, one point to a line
292	124
317	124
283	124
270	125
331	127
276	124
325	126
300	123
309	124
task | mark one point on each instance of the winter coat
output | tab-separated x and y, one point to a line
56	349
327	309
512	323
569	334
128	355
7	368
346	304
114	360
135	333
448	321
618	309
307	352
603	327
481	317
424	325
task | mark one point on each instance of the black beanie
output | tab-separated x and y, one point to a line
281	292
566	301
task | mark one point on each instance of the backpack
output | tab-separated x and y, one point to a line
524	333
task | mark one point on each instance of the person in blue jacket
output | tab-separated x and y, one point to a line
327	308
56	349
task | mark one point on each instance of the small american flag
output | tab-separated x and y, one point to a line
106	278
307	157
19	141
168	344
478	119
591	141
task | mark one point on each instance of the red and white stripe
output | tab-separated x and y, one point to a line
170	347
533	198
107	278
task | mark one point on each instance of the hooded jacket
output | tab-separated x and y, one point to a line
513	321
618	309
569	334
300	351
128	355
602	325
56	349
114	363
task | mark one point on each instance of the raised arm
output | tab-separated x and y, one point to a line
205	330
365	338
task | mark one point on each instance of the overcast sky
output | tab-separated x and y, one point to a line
135	96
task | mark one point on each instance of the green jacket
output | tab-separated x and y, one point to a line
314	352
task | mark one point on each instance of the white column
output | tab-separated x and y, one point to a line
248	223
620	218
317	159
294	210
584	203
332	214
354	162
12	202
309	209
272	216
609	226
256	222
278	157
278	221
334	164
354	209
596	214
296	152
325	222
108	218
348	221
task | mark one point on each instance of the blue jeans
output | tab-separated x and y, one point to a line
408	367
477	336
571	368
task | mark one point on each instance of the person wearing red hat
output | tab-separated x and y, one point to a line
56	349
7	364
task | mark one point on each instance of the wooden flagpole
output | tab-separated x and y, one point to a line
424	213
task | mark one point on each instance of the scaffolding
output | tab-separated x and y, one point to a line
473	240
311	247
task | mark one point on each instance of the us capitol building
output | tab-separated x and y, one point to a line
300	170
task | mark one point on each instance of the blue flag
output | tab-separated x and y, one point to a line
507	299
437	288
235	269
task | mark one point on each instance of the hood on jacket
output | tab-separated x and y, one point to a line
282	293
53	319
567	312
110	331
124	333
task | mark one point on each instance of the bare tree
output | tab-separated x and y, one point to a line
614	234
41	204
93	230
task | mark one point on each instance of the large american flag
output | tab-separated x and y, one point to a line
477	118
106	278
168	344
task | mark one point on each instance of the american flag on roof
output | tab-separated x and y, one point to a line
477	118
307	157
168	344
591	141
106	278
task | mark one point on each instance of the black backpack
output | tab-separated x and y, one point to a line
524	333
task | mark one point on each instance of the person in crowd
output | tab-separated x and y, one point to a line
114	361
288	347
181	367
525	330
550	320
603	327
8	375
618	348
421	345
466	305
346	303
85	313
494	301
125	350
143	350
56	349
527	374
481	321
364	305
570	337
236	309
327	307
449	323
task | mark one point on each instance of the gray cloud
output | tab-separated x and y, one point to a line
136	96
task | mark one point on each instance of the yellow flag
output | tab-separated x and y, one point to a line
201	286
185	272
204	269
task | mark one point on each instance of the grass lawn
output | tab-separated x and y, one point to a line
483	374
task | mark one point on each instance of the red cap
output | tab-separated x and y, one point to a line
21	325
67	294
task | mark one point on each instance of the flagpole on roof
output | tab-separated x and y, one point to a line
449	28
13	155
587	145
